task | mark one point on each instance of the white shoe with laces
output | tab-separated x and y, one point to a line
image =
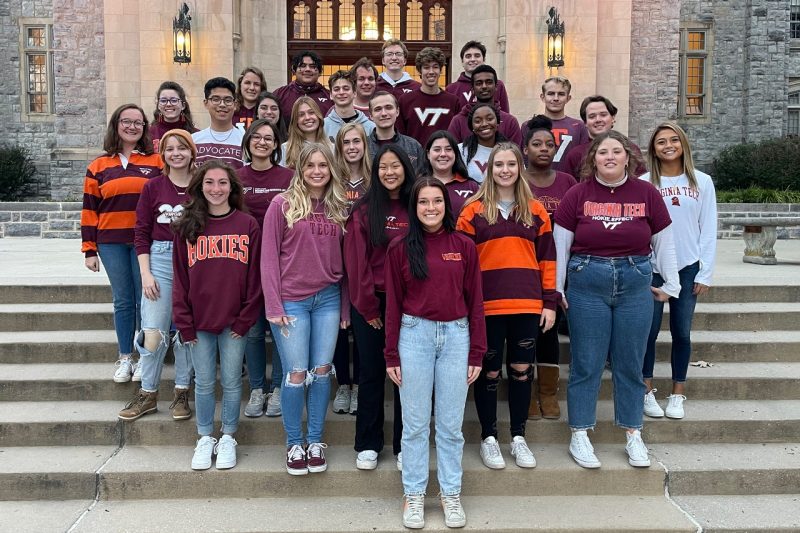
637	451
414	511
226	452
491	455
201	460
582	451
521	453
367	460
675	406
454	515
651	407
124	370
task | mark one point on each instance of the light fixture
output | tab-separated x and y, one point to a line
555	39
182	36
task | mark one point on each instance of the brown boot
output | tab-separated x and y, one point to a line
548	391
143	403
533	410
180	405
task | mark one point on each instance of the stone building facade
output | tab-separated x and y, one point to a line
103	53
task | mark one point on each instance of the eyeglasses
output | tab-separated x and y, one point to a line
255	139
128	123
393	54
310	66
172	101
216	100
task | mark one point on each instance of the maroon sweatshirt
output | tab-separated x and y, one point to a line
509	126
288	94
451	291
364	263
459	189
261	186
159	204
422	114
160	127
462	88
244	116
398	90
569	133
216	281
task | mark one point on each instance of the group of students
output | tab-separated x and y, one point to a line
443	257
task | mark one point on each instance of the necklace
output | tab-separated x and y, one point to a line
614	185
177	191
674	185
230	132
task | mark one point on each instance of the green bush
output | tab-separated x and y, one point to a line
771	164
16	173
754	195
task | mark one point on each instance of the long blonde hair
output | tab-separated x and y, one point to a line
487	193
298	200
655	163
365	167
296	140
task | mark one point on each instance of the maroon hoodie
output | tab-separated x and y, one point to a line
399	89
509	126
243	116
462	88
288	94
158	128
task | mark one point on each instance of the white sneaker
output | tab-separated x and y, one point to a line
201	460
637	451
581	449
367	460
255	407
274	403
399	461
675	405
341	402
226	452
124	370
491	455
521	453
651	407
414	511
137	371
454	515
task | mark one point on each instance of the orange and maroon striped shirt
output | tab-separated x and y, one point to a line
110	195
518	262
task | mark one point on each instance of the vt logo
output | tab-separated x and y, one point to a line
433	112
611	225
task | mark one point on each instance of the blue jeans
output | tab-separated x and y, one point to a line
157	315
305	345
681	312
204	359
122	268
610	310
433	360
255	355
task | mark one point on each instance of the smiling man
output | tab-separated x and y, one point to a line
394	79
221	140
484	87
429	108
384	111
473	55
307	67
343	112
365	76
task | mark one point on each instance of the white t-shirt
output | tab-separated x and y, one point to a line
477	166
222	145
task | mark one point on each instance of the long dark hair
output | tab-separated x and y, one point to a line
186	114
376	200
471	142
458	166
112	143
192	223
415	239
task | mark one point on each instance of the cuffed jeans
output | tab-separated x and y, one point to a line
256	357
610	310
204	359
681	312
122	267
433	359
157	315
306	345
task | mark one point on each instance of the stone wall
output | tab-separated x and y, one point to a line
60	220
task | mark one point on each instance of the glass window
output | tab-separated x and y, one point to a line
38	69
414	21
794	19
301	22
324	20
391	19
437	30
694	75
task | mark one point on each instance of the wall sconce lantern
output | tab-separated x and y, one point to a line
182	36
555	39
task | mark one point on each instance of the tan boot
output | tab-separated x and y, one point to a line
180	405
534	413
548	391
143	403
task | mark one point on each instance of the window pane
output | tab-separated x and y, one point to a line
437	27
328	70
414	21
37	83
696	40
695	68
301	22
694	105
794	19
369	21
391	20
347	20
794	98
324	20
37	38
794	122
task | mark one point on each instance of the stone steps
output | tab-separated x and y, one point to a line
719	513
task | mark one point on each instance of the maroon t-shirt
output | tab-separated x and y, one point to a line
462	88
422	114
459	189
159	204
551	196
244	116
568	132
614	222
261	186
576	157
451	291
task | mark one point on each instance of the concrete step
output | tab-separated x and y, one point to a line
262	470
42	516
70	346
700	468
717	513
78	381
90	423
759	316
47	317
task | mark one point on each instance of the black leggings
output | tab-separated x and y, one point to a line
547	352
341	359
520	331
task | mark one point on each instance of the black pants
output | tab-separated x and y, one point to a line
371	383
341	359
519	333
547	352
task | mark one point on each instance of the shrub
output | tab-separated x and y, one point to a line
769	164
16	173
754	195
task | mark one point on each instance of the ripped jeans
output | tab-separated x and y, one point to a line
516	333
305	345
157	315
